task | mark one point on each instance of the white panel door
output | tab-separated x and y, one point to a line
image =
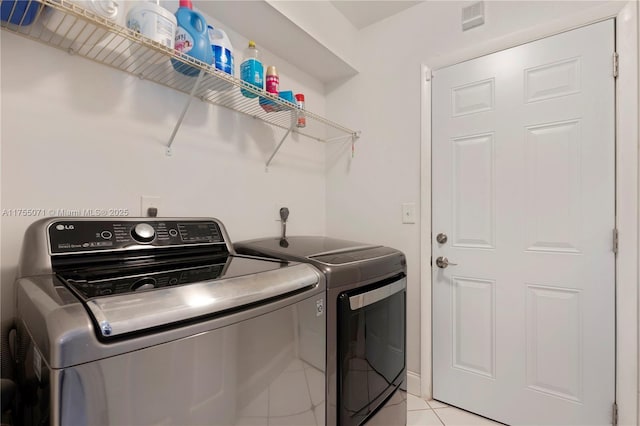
523	187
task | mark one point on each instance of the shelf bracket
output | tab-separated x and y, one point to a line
339	138
266	168
184	111
354	137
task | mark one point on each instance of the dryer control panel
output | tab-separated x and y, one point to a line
77	236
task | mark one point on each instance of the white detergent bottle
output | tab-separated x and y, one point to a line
78	31
222	50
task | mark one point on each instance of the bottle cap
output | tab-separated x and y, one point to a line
186	3
271	70
252	44
299	97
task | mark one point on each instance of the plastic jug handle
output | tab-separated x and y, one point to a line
201	26
219	34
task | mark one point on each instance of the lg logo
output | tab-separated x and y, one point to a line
62	227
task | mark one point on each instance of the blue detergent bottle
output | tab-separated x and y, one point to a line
251	70
192	38
19	12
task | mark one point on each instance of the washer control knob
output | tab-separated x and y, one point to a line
144	284
143	232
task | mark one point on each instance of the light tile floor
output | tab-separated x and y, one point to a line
434	413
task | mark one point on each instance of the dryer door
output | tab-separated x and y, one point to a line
371	348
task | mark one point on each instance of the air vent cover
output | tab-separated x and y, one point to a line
473	16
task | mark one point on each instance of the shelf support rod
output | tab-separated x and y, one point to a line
278	147
339	138
184	111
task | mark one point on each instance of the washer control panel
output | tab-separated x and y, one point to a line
161	279
76	236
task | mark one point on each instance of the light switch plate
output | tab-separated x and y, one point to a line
408	212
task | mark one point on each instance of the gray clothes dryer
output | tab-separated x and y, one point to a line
366	323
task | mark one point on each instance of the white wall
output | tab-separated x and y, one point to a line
325	23
364	194
79	135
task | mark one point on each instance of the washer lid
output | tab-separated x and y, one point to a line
137	311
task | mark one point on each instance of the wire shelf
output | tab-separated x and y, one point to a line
72	28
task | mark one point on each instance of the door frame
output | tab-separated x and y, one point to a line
627	185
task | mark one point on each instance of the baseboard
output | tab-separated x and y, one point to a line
413	383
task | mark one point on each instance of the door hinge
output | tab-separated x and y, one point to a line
614	414
616	239
427	75
615	64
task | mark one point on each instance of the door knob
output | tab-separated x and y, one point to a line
443	262
441	238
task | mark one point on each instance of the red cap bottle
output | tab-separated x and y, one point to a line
301	119
186	3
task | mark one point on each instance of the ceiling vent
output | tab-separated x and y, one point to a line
473	16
